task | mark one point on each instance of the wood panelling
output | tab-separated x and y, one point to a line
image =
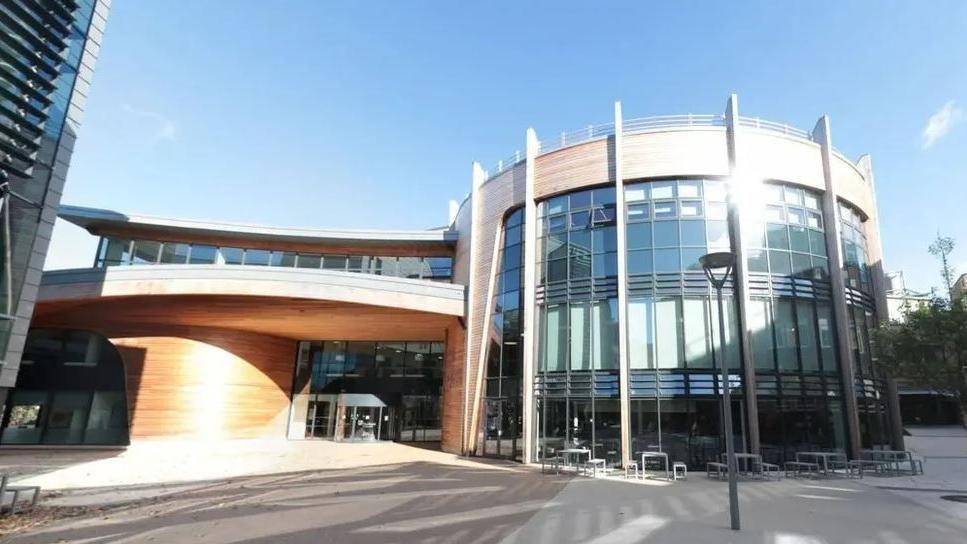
244	240
296	319
573	167
685	152
851	186
453	392
496	197
207	383
767	156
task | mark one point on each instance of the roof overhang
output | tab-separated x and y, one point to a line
100	222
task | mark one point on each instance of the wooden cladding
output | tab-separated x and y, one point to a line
207	384
574	167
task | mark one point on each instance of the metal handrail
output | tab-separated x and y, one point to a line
643	124
772	126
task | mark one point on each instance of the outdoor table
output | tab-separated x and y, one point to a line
654	455
576	452
824	455
746	458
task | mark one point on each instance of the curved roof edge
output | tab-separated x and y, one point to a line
255	281
96	219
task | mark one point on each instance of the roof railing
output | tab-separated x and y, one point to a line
644	124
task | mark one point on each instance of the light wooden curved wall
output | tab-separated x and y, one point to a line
770	157
851	186
567	169
207	384
685	152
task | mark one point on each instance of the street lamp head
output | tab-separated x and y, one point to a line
718	267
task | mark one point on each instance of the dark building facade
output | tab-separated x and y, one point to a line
48	49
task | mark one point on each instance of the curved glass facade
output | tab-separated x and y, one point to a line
674	348
793	333
503	418
870	386
673	335
577	385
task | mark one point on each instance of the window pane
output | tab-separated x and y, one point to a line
758	262
817	243
604	334
361	359
690	257
555	339
641	334
556	205
580	220
307	260
668	316
603	196
580	242
662	189
232	255
716	210
639	262
258	257
580	199
146	251
691	208
116	251
760	322
638	212
779	263
778	236
666	233
203	254
580	331
698	351
718	234
604	239
693	233
811	200
802	265
635	193
580	266
799	239
824	318
556	246
808	348
334	262
557	270
786	335
690	189
605	265
174	253
638	235
667	260
666	209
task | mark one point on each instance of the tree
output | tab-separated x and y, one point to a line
928	347
941	248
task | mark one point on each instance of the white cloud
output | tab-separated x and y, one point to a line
166	127
940	123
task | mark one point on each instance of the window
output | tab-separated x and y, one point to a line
232	255
202	254
257	257
668	318
146	252
174	253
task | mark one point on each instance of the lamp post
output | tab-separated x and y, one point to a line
718	267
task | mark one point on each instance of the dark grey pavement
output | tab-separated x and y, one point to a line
432	503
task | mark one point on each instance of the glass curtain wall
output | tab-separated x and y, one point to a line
115	251
673	335
503	422
577	383
793	336
70	390
406	376
870	384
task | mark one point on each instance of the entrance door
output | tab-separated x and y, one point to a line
362	423
502	429
319	423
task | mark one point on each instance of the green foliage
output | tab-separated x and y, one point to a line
929	348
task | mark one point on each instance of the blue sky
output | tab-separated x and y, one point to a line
369	114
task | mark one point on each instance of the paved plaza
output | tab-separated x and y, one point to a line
430	497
